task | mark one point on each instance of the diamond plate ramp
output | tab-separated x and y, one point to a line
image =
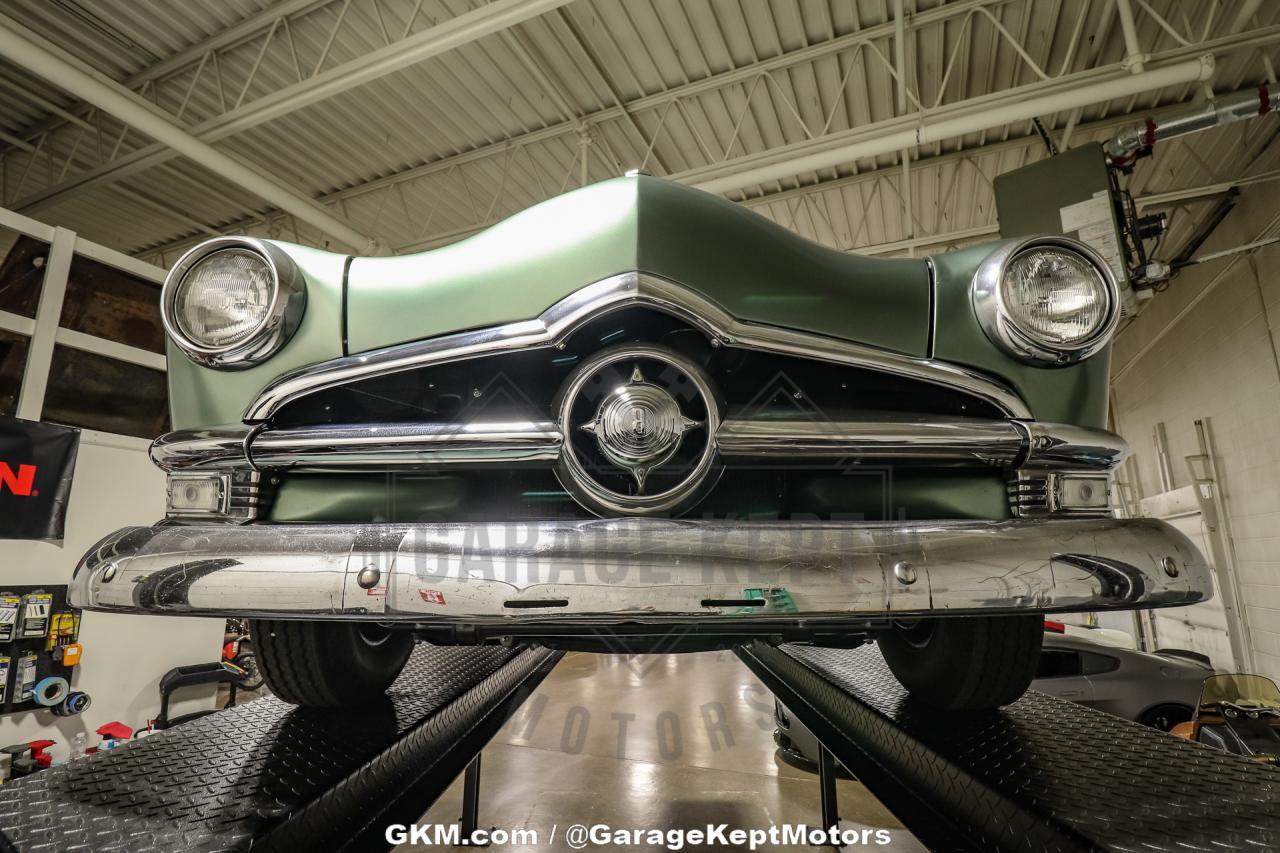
277	777
1041	774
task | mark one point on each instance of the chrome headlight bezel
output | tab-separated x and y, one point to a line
1005	332
272	332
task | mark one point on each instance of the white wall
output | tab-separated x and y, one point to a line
1216	359
124	656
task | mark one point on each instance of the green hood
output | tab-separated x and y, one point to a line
757	270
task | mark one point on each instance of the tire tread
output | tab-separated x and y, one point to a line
318	664
971	662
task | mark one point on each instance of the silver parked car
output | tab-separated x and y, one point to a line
1157	689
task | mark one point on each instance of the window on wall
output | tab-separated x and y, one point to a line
108	303
13	360
106	368
22	261
93	391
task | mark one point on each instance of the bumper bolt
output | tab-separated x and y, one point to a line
905	573
1170	566
368	577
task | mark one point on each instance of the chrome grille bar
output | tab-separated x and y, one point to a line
380	447
362	447
406	445
974	442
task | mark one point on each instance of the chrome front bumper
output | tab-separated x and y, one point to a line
641	570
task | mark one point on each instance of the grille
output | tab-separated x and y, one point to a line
1029	493
523	386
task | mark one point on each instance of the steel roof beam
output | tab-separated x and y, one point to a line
834	184
1254	39
246	30
29	50
448	35
974	106
281	101
964	117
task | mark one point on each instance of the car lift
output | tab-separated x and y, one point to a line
278	778
1042	774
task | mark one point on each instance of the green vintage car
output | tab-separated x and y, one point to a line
639	417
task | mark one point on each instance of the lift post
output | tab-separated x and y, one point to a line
274	777
1041	774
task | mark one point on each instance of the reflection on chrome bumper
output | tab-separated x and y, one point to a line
641	570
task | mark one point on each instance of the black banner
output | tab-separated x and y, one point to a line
37	462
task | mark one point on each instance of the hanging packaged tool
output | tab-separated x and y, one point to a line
24	679
4	677
10	604
61	629
68	655
35	615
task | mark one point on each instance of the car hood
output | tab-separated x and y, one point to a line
754	268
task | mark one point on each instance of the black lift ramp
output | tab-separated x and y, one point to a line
273	777
1041	774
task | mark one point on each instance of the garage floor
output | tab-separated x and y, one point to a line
655	741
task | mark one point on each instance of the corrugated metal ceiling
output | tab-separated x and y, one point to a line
433	151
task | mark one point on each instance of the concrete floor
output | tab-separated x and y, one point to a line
650	742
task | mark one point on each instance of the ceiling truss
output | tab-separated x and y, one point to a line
243	80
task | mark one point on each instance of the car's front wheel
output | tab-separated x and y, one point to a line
1165	717
965	663
328	664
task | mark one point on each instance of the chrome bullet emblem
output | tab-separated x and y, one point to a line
638	426
639	422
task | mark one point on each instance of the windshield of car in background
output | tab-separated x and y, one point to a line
1241	690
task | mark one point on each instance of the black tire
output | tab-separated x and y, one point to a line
329	664
1164	717
965	663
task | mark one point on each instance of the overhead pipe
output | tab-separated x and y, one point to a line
934	130
33	53
1225	109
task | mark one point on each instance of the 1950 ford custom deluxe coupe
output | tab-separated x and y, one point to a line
639	417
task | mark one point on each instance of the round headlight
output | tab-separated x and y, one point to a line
224	298
232	302
1055	296
1047	300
